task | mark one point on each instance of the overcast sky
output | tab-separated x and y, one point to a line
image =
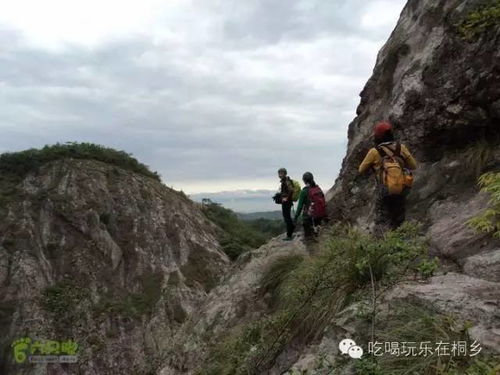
214	95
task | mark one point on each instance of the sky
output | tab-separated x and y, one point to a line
214	95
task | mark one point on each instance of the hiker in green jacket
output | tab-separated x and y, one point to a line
312	206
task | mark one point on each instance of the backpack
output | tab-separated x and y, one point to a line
393	175
296	190
317	203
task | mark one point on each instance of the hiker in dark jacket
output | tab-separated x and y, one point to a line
311	205
389	207
286	192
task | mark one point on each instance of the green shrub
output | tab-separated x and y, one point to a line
279	271
230	356
236	236
475	157
133	305
20	163
427	267
15	165
308	292
63	300
270	227
411	323
480	20
489	220
487	365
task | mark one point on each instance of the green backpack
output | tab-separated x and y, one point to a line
296	190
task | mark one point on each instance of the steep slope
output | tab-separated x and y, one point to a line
439	85
440	89
235	302
103	256
441	93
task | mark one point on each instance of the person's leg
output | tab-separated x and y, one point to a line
308	227
382	213
317	223
287	216
397	210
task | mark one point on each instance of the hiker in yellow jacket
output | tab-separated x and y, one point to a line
391	162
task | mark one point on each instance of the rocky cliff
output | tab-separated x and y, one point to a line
439	88
437	80
132	271
105	257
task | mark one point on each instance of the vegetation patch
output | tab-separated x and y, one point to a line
133	305
20	163
15	165
276	274
309	292
197	270
480	20
63	300
269	227
237	236
489	220
411	323
475	158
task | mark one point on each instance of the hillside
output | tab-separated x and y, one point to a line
96	250
102	255
269	215
437	81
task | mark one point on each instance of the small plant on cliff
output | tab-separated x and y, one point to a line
489	220
476	157
480	20
63	301
279	271
130	304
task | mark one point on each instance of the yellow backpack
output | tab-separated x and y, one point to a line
393	174
296	190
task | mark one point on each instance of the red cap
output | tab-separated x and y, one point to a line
381	128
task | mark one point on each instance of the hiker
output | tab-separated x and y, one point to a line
312	205
285	197
392	163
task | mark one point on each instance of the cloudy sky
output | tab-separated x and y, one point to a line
214	95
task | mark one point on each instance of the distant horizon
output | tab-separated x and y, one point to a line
241	201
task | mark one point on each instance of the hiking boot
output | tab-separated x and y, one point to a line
288	238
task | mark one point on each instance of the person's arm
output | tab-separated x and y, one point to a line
287	190
411	163
284	191
368	161
300	205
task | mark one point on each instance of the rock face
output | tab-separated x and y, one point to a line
105	257
441	92
235	301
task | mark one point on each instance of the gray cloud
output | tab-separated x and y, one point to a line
237	90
